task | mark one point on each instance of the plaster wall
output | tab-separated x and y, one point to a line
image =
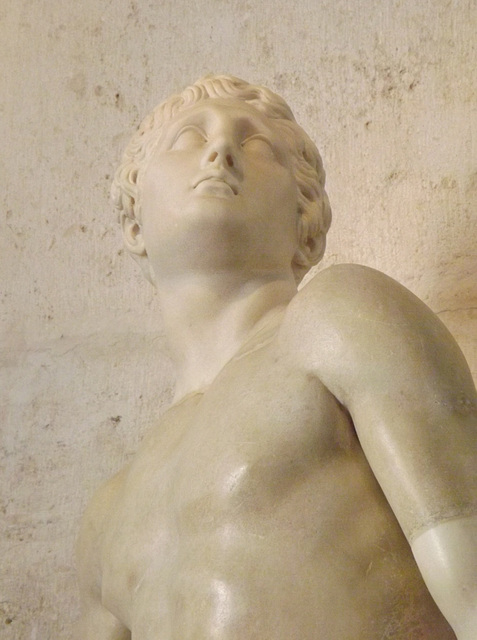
387	89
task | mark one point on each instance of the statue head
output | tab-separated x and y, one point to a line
313	209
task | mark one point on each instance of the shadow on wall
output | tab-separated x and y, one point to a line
452	286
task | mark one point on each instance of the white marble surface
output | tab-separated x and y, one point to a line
385	90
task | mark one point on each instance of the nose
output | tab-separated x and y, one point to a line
228	158
222	152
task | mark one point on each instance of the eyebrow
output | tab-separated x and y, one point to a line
253	125
249	122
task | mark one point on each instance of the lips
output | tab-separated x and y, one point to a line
223	178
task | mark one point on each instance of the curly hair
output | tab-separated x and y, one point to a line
313	205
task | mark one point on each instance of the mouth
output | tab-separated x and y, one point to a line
217	179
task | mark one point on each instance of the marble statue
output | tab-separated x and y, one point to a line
316	475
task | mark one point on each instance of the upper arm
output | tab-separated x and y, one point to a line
96	622
402	377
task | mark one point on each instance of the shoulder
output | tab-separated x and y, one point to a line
345	304
95	620
394	366
360	331
348	292
93	527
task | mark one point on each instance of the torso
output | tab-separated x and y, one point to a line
251	513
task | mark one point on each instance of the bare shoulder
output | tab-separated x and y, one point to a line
391	362
95	520
95	620
358	329
349	296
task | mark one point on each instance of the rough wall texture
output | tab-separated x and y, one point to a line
388	91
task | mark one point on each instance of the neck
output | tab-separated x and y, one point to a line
209	317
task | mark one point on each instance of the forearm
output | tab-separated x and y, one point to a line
447	558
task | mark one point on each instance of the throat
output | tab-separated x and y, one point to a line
207	326
204	360
210	365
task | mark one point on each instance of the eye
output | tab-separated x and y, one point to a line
188	138
258	145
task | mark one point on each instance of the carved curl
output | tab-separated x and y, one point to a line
313	205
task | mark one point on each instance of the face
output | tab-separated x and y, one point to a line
219	191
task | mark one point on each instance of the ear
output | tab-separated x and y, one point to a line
134	243
310	244
132	236
314	248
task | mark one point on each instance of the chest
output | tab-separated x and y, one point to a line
247	455
261	428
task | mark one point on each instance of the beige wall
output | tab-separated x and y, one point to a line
387	90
